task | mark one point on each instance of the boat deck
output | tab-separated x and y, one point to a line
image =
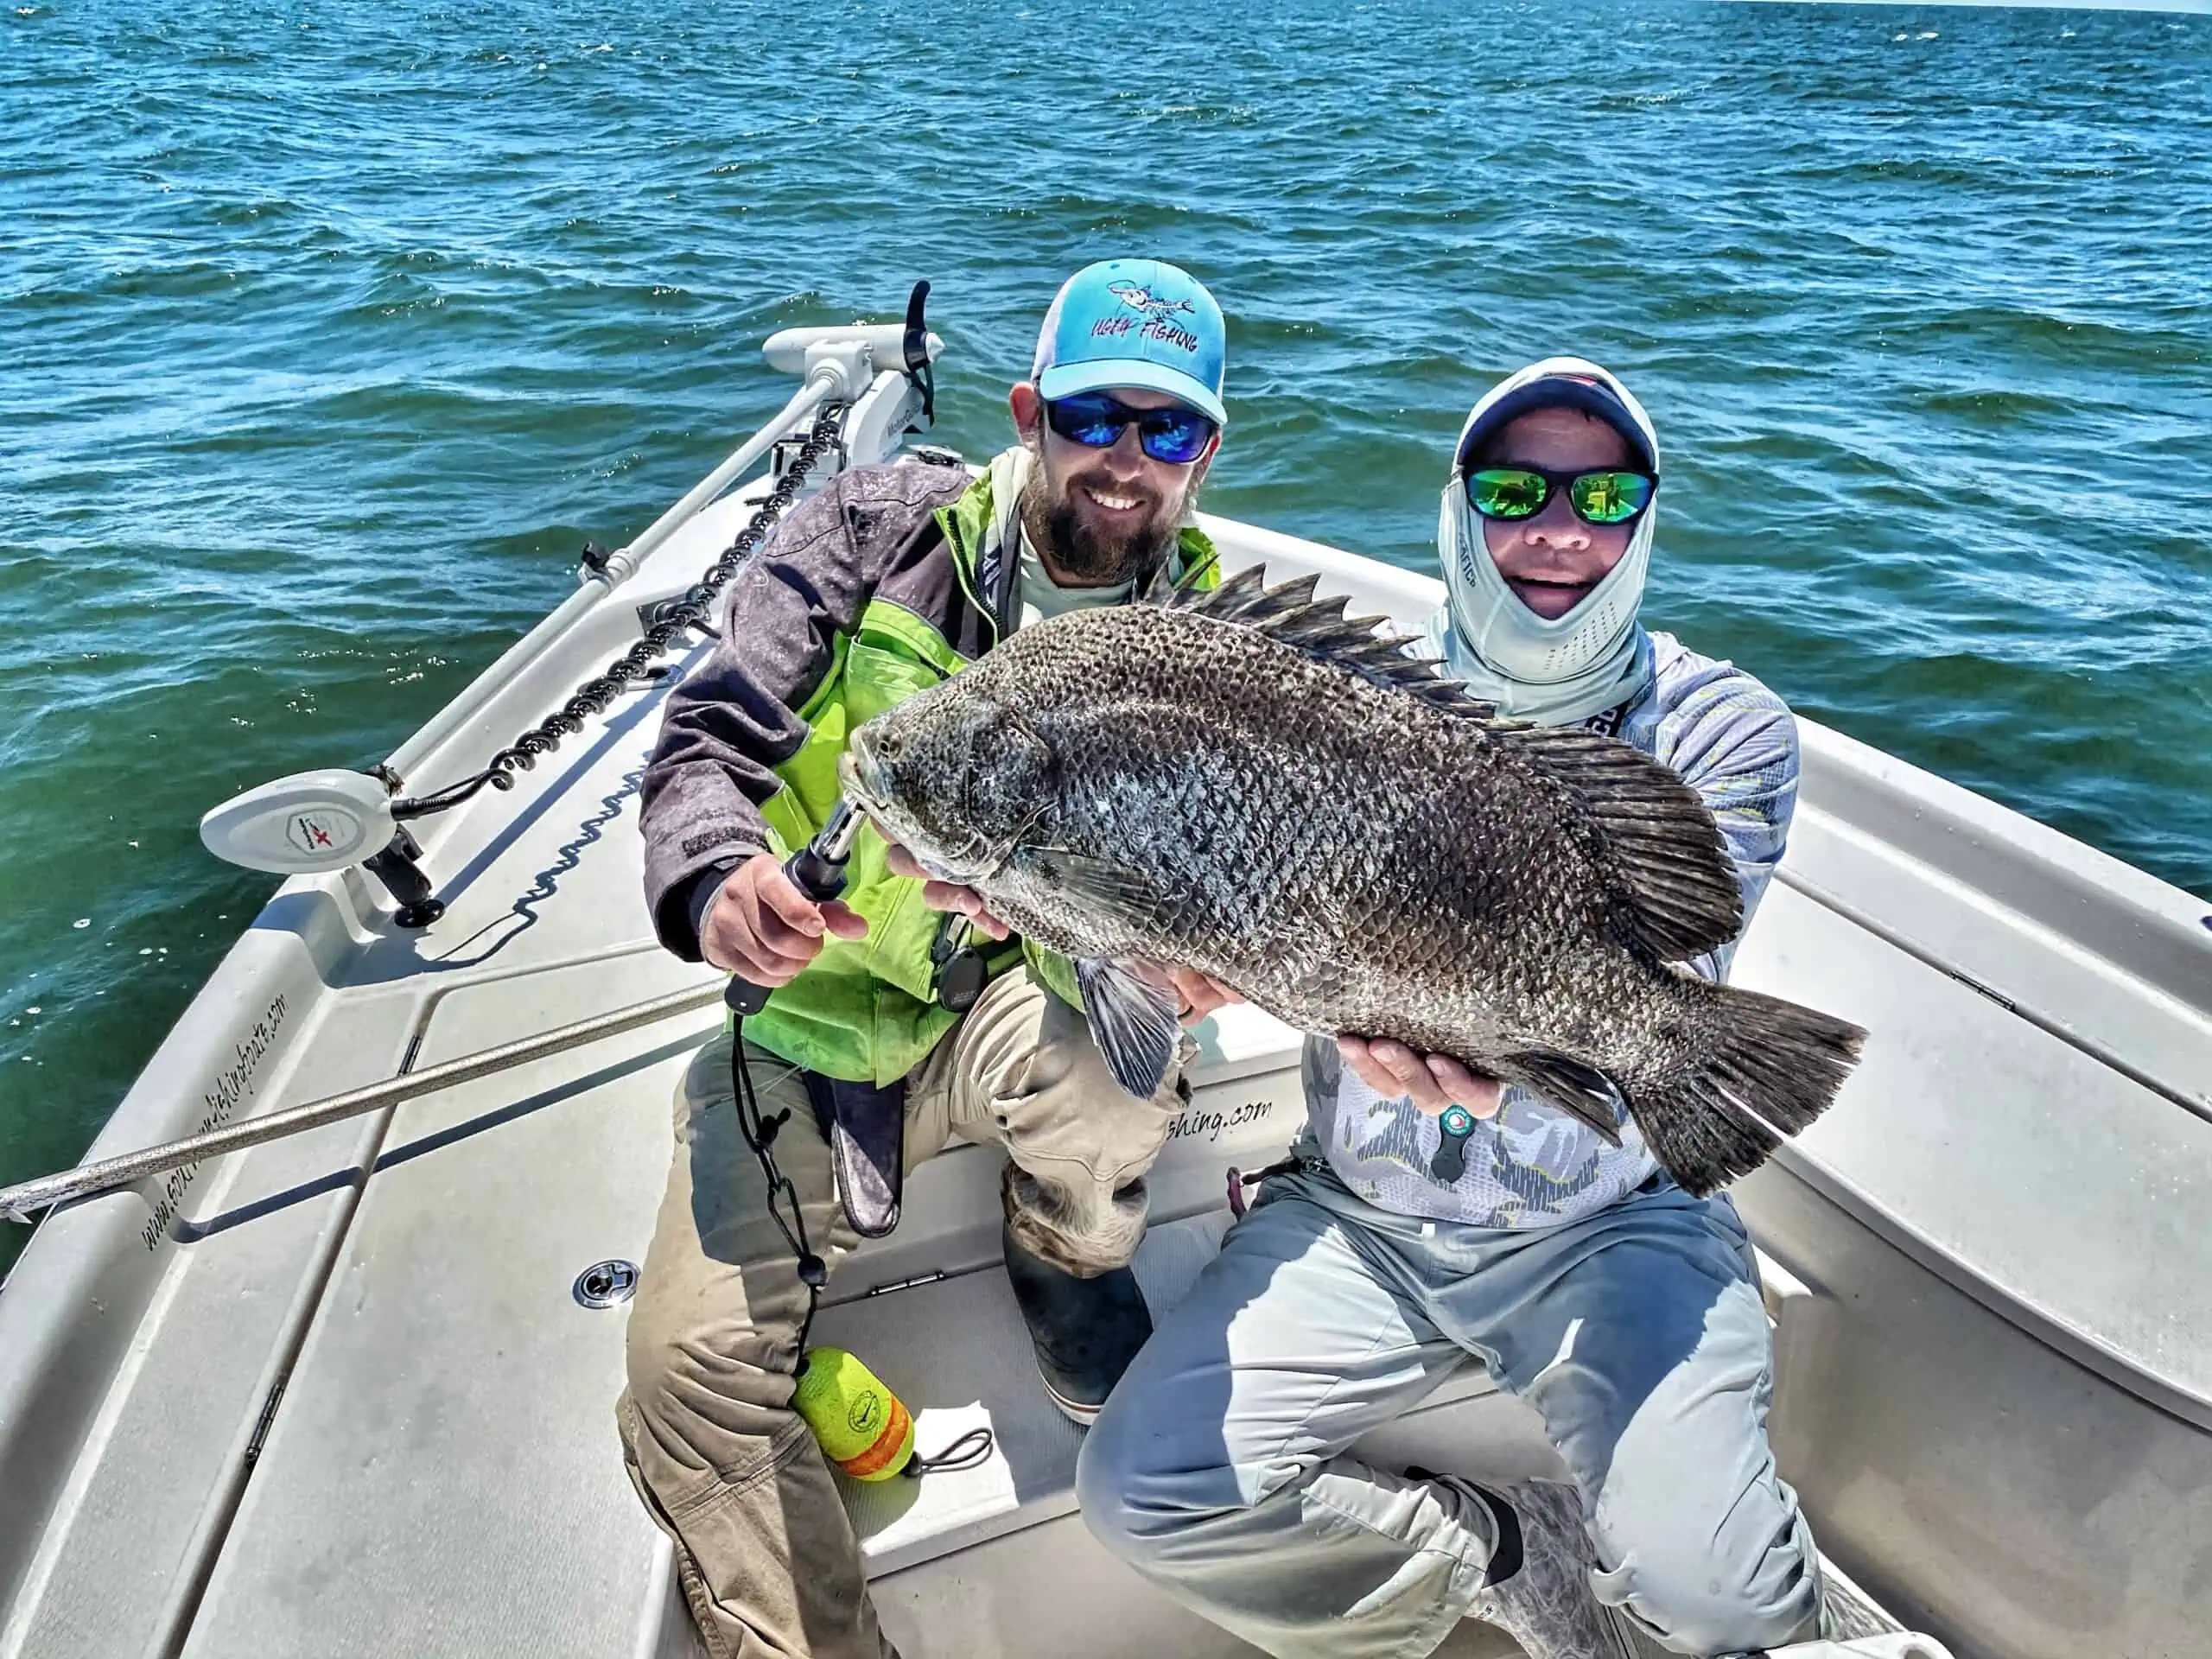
341	1396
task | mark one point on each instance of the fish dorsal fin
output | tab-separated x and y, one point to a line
1289	613
1676	884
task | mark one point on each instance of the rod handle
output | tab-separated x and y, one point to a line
818	874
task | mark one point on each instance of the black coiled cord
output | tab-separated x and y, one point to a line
694	608
759	1135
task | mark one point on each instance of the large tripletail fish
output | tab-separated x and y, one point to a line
1245	782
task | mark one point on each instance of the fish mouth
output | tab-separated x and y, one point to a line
862	778
861	775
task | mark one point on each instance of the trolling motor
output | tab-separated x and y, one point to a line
865	386
314	822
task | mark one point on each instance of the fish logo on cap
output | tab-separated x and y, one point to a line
1142	300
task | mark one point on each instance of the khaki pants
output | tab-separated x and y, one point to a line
768	1559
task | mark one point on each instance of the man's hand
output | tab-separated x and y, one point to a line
1198	995
762	928
947	895
1432	1082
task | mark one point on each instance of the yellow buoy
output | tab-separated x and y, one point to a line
862	1426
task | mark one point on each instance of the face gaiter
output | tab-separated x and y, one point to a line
1568	668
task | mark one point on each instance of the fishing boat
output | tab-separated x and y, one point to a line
338	1376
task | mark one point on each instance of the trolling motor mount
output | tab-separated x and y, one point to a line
315	822
318	823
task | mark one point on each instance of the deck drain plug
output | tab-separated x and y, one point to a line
605	1283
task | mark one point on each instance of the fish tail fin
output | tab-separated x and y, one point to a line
1775	1067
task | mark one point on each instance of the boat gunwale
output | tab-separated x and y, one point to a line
2131	1376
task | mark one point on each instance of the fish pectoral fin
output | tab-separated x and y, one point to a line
1099	884
1133	1021
1582	1090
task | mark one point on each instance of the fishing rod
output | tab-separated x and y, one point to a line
818	870
19	1203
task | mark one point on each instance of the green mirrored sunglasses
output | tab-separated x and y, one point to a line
1607	498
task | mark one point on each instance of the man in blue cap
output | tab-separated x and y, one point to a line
886	583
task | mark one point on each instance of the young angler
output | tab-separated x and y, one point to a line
1436	1222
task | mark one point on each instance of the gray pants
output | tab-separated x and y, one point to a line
1218	1470
766	1558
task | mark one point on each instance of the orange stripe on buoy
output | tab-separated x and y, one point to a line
887	1444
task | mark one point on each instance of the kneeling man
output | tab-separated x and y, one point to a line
890	580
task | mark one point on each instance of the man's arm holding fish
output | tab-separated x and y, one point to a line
712	881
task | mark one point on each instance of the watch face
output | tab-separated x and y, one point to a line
1457	1119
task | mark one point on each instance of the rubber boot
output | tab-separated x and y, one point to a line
1086	1332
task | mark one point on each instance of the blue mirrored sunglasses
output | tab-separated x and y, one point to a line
1095	419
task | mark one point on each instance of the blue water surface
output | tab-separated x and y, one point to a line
327	331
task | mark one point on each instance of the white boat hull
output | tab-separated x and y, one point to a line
334	1395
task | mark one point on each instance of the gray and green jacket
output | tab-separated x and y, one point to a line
883	584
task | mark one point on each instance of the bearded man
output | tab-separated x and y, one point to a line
887	582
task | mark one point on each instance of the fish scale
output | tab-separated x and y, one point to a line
1244	783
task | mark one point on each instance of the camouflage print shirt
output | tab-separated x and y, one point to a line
1532	1165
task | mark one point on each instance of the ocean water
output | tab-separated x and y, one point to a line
327	331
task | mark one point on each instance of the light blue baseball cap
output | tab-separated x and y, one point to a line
1133	322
